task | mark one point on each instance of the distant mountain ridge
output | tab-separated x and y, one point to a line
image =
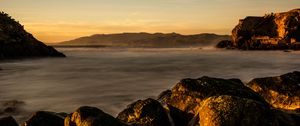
143	39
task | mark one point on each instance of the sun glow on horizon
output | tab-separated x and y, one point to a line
62	20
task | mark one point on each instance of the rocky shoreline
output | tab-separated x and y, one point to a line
206	101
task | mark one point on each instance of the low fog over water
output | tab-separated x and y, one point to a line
113	78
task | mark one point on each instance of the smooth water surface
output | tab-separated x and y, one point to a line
113	78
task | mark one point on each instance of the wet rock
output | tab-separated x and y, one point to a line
8	121
228	110
44	118
91	116
147	112
281	91
188	95
15	42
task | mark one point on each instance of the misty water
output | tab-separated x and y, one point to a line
110	79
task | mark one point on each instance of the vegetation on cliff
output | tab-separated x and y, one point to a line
15	42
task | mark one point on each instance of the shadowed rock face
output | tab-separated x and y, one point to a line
8	121
272	31
91	116
44	118
147	112
281	92
15	42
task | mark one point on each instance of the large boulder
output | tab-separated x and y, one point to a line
147	112
45	118
210	101
91	116
189	94
8	121
15	42
281	91
272	31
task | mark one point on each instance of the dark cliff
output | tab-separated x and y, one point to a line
15	42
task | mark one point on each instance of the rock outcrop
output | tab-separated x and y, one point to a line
224	44
269	32
15	42
281	92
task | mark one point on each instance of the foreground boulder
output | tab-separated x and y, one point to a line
15	42
270	32
210	101
228	110
91	116
8	121
147	112
281	91
44	118
188	95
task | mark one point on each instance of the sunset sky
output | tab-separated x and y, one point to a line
60	20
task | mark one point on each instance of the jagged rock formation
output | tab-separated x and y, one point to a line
205	101
148	40
281	92
15	42
270	32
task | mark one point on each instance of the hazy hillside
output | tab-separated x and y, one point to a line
149	40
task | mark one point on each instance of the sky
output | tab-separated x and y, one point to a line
61	20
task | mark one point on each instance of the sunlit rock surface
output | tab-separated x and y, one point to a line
147	112
91	116
15	42
272	31
281	91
